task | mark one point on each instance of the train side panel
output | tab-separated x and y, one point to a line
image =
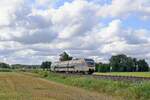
71	66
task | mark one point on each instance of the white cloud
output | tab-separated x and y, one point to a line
31	32
74	18
7	8
24	53
124	8
43	2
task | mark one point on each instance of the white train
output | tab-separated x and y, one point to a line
74	66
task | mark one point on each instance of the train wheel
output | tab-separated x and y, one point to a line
90	71
85	73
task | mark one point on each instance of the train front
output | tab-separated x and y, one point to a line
91	65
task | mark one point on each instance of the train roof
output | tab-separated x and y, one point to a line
86	59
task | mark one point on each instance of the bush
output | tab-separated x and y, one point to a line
102	67
35	71
5	70
43	73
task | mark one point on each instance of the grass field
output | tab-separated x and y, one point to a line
25	86
126	90
138	74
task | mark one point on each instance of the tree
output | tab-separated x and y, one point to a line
142	65
130	65
65	57
135	67
118	62
21	66
122	63
4	65
100	67
46	65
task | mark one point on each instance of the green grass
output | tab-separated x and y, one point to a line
137	74
26	85
29	86
5	70
126	90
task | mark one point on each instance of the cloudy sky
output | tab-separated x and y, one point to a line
32	31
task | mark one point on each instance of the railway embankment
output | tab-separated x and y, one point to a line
110	77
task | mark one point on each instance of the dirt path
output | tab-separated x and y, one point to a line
15	86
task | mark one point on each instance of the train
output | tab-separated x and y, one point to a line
82	65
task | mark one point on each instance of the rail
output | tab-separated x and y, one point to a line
110	77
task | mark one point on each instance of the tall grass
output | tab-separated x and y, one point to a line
5	70
126	90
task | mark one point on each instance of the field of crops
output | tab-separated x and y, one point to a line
137	74
25	86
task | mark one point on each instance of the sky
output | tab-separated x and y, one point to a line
32	31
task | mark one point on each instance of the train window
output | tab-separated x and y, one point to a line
89	60
90	63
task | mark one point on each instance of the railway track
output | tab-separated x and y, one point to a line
111	77
121	78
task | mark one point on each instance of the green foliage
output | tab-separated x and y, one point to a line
41	73
65	57
4	65
20	66
45	74
36	71
126	90
46	65
5	70
143	66
122	63
102	67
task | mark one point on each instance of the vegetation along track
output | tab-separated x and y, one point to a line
111	77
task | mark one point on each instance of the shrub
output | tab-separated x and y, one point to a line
5	70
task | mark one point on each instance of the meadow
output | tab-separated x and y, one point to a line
45	85
29	86
126	90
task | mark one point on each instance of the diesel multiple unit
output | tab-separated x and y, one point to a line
74	66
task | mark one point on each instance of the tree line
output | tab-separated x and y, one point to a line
123	63
4	65
17	66
62	57
45	65
117	63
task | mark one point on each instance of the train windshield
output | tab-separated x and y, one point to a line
90	62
